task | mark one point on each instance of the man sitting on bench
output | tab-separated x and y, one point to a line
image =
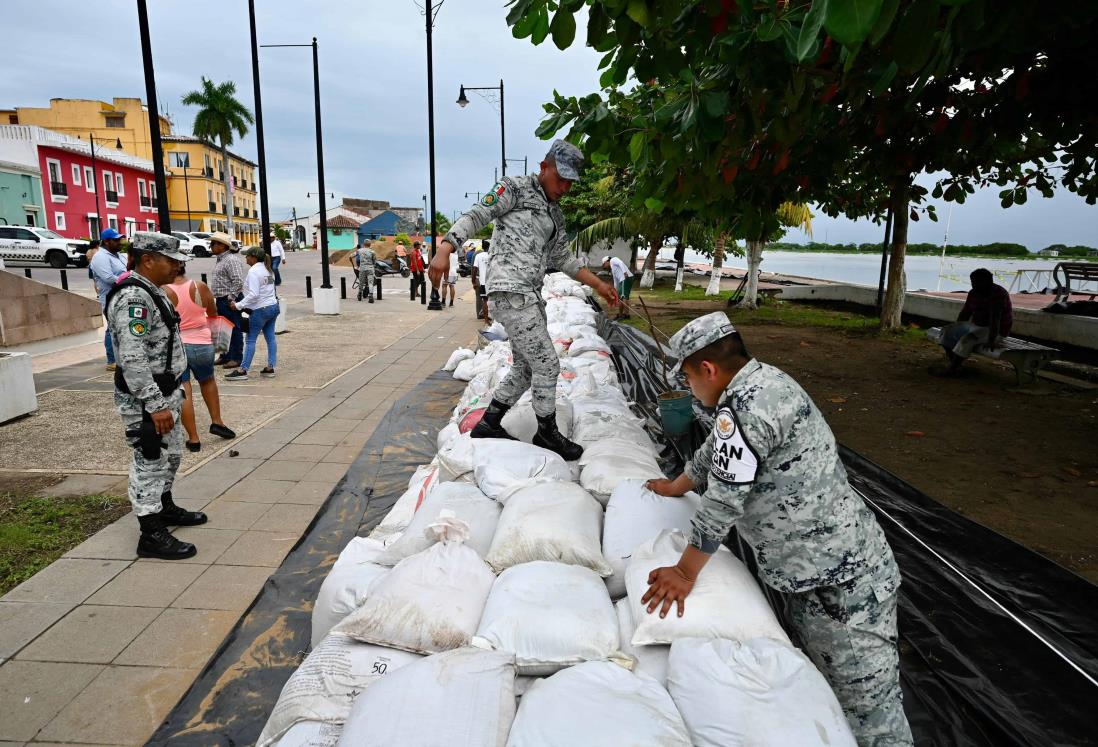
987	315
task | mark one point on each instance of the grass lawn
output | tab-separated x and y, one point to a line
35	531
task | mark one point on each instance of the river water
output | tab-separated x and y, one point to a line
922	271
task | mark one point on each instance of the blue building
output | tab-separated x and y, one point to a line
385	224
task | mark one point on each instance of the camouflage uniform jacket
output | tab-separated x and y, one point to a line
141	339
366	258
773	470
528	236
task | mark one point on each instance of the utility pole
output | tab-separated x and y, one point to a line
154	119
429	15
265	220
95	183
293	211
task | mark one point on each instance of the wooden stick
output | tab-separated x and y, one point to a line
659	346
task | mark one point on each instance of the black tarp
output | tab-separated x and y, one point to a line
230	701
998	645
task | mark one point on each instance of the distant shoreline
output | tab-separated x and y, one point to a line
1018	257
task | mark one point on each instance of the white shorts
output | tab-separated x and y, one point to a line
450	280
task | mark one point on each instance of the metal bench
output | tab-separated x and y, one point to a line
1026	357
1081	273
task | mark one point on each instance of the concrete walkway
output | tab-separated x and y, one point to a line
98	647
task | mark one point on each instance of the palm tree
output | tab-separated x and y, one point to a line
220	115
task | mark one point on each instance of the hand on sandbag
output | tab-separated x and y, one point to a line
667	586
664	487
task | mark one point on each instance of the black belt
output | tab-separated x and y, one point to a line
167	382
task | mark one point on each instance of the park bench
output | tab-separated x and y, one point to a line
1078	272
1026	357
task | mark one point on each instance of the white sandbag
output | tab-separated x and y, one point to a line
554	521
502	467
429	602
649	660
725	602
634	515
497	331
324	687
456	357
769	694
462	500
588	345
597	704
611	406
461	697
522	422
465	370
449	432
578	625
420	486
607	463
594	427
346	586
311	734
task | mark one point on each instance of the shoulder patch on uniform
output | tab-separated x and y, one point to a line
138	311
734	461
491	197
138	328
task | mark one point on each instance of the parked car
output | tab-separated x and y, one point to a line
192	245
381	267
33	244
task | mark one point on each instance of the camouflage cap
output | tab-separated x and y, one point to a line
568	158
699	333
148	242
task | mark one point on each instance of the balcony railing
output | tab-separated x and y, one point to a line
145	201
111	196
213	207
59	189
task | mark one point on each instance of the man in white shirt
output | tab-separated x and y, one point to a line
480	279
278	254
623	279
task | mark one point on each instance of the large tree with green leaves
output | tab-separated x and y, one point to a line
742	106
220	116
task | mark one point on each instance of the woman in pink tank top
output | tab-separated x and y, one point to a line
196	307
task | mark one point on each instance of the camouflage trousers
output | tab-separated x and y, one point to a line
365	283
849	632
151	478
535	364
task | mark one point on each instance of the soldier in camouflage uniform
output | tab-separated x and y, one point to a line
771	467
367	264
151	360
528	237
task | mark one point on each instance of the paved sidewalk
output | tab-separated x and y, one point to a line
98	647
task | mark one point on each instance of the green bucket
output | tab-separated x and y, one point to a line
676	411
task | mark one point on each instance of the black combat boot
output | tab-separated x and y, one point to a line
173	515
490	425
550	437
157	542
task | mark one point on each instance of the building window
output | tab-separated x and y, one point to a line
108	181
150	225
76	175
59	221
120	184
115	120
131	226
31	219
112	222
93	225
179	159
89	179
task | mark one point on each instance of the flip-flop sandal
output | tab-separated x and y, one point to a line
194	446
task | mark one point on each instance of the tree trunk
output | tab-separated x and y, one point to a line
632	257
750	298
227	173
893	305
680	258
648	279
714	288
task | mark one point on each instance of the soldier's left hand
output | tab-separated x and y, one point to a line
667	586
163	420
608	292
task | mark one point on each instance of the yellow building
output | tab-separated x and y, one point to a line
196	191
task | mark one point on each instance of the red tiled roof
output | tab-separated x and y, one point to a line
341	221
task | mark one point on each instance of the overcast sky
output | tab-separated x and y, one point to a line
374	98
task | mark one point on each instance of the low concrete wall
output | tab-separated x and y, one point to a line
31	311
1071	330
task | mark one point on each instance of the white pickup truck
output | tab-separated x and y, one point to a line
31	244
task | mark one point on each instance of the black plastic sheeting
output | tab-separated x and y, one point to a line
230	701
998	645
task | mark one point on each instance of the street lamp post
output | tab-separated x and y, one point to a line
525	162
265	220
429	15
154	118
95	184
187	192
326	300
463	102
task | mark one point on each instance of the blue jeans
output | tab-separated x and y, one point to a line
236	341
109	345
261	320
275	262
